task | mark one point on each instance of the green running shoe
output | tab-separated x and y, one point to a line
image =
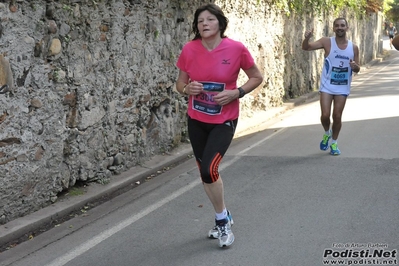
334	149
324	142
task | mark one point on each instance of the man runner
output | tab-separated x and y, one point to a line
341	59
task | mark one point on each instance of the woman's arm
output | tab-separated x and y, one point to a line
182	82
255	78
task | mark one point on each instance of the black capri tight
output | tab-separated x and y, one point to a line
210	142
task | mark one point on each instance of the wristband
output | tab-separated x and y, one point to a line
242	92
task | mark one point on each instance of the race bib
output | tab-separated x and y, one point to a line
339	76
204	102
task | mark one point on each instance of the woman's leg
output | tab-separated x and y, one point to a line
210	143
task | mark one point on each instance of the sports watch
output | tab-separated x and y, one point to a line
242	92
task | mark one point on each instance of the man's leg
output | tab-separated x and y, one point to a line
339	104
325	106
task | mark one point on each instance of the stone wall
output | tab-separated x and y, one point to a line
91	84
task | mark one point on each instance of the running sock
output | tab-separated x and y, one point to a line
334	141
222	215
328	132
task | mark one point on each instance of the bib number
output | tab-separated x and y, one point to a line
339	76
204	102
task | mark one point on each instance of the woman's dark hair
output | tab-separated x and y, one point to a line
215	10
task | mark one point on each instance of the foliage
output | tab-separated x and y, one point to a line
321	6
374	5
392	11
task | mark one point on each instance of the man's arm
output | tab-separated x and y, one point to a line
355	65
310	46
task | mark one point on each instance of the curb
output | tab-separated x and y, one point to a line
18	230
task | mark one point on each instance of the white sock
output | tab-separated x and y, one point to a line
334	141
328	132
222	215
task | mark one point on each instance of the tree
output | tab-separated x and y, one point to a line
374	5
392	14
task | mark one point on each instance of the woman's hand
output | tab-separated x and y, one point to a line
194	88
225	97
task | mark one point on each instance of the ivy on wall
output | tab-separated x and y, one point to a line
320	6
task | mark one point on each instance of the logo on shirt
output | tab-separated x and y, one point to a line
342	57
225	62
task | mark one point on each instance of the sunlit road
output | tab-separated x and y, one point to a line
292	203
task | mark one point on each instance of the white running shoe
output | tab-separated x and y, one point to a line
214	233
226	236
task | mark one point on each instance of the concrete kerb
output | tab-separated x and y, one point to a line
22	227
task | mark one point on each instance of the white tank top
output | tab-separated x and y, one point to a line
336	76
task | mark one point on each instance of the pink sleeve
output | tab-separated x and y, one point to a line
181	61
247	60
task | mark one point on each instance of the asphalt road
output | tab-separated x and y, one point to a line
292	203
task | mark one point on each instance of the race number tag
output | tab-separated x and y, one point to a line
339	76
204	102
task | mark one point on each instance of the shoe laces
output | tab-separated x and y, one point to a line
334	146
223	230
222	227
325	138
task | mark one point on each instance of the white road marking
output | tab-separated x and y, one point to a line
79	250
364	79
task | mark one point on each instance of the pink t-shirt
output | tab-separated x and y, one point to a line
218	70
